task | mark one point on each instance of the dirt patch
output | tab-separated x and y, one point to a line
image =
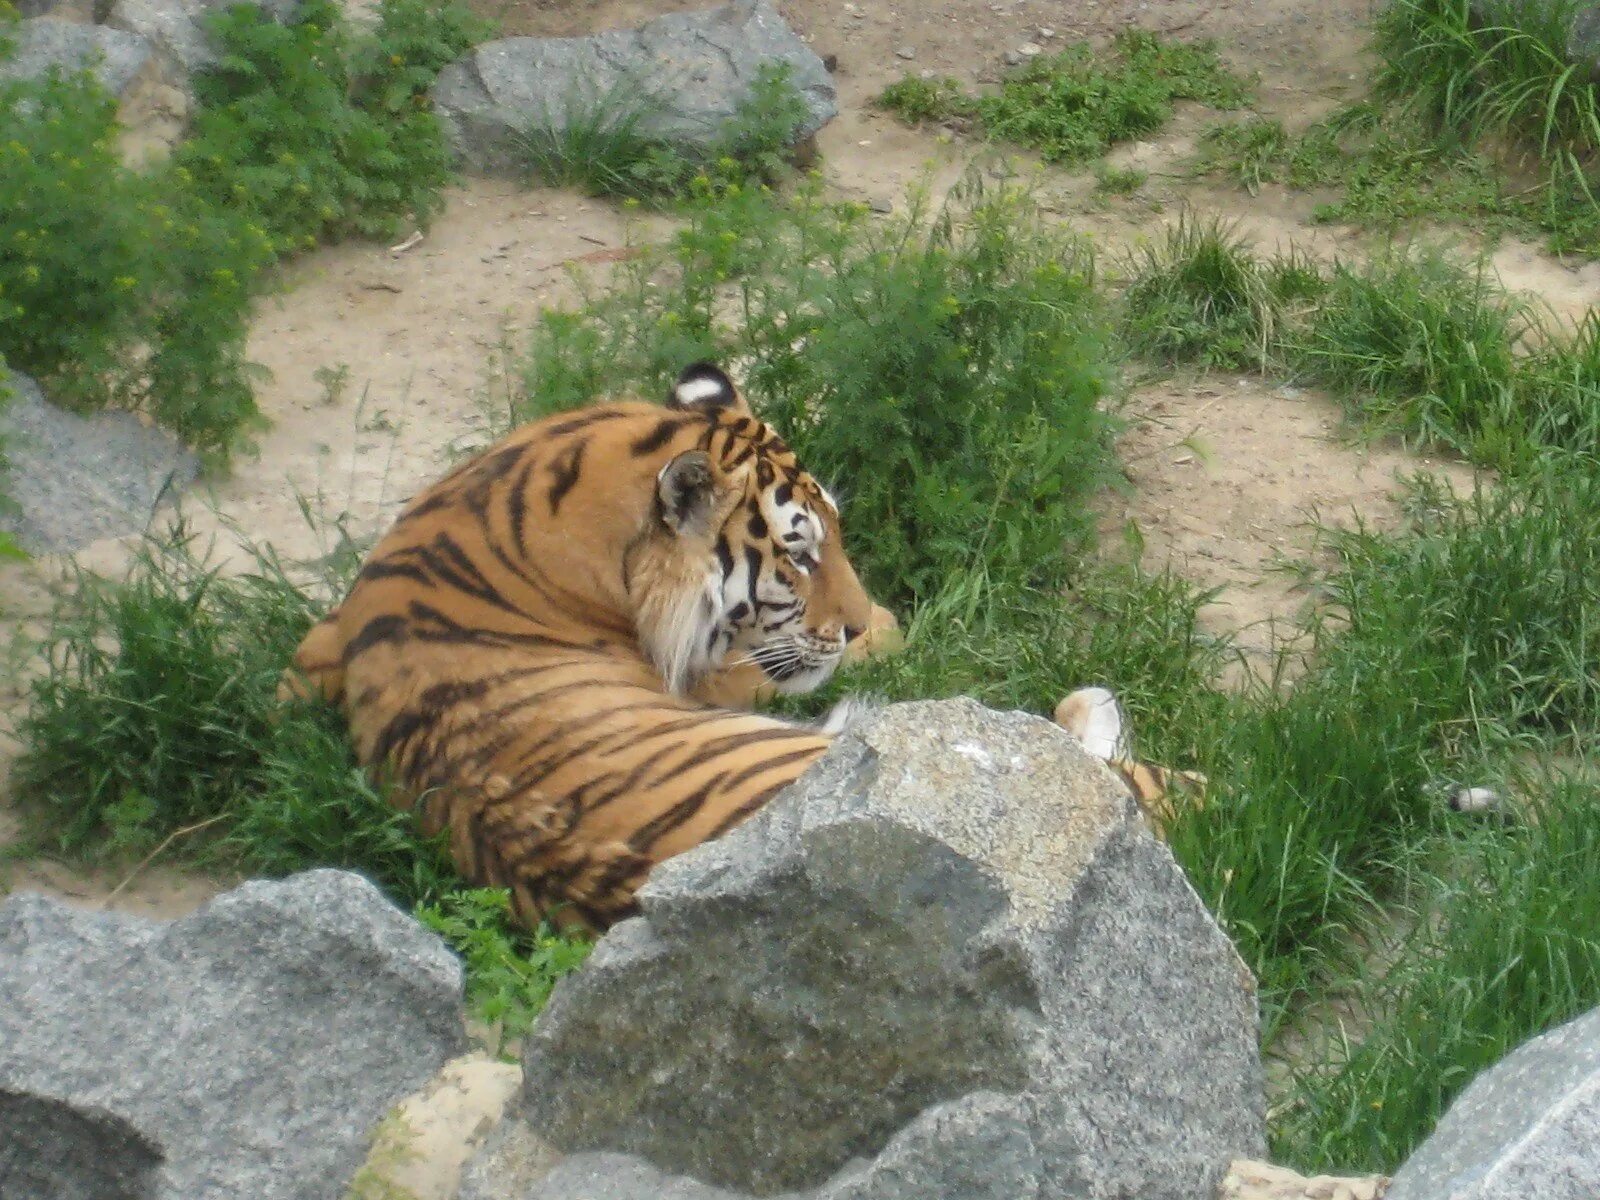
1230	475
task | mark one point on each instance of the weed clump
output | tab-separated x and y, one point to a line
1074	106
1199	295
1423	347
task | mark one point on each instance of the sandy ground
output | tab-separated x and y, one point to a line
1224	471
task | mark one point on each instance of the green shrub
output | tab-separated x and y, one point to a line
601	143
293	133
1074	106
119	288
942	375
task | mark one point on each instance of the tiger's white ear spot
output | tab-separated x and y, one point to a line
705	387
848	712
1093	716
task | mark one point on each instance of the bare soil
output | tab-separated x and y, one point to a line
1224	471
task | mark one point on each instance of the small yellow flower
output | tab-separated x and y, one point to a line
31	273
124	282
395	60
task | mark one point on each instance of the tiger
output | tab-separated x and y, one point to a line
1093	716
532	657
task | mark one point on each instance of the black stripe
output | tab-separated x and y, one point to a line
666	429
772	764
593	416
565	477
679	814
746	809
374	632
389	569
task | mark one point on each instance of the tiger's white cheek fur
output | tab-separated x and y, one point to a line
678	637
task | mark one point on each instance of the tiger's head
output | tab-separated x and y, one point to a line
743	557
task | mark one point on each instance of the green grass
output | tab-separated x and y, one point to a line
1199	295
1477	116
1074	106
602	143
1420	346
156	724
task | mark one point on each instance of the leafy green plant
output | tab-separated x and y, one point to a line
941	372
1119	181
290	131
510	973
603	142
1198	294
116	287
1073	106
915	100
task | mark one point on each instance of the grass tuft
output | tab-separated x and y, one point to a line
1074	106
1198	295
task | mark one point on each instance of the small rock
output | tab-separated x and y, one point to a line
700	66
244	1052
1248	1179
77	479
879	205
1012	58
1046	33
905	52
1527	1127
1030	49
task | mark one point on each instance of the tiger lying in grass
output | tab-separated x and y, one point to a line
529	657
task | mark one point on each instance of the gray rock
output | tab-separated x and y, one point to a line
176	28
1527	1127
245	1051
950	962
76	479
118	59
687	73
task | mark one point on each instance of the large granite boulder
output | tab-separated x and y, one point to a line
1527	1127
243	1053
686	73
950	962
76	479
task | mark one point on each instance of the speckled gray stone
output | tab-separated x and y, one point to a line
692	70
176	28
949	960
1528	1128
242	1053
1582	30
116	58
75	479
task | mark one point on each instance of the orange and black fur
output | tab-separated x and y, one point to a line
519	654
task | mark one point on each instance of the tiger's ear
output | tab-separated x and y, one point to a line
1093	716
686	493
705	387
